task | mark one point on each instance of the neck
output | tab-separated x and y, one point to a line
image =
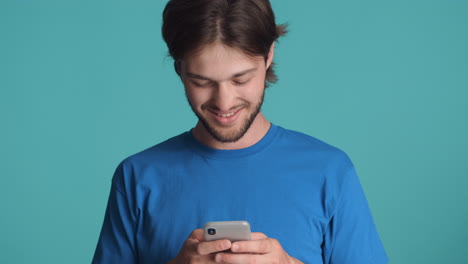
254	134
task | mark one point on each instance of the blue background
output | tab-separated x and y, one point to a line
84	84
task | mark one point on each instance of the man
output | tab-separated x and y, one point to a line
300	195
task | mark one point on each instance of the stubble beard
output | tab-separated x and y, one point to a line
232	136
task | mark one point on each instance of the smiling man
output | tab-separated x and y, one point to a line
301	196
225	89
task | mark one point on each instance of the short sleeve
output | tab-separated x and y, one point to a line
116	242
351	236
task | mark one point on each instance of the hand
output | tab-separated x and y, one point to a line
196	250
260	249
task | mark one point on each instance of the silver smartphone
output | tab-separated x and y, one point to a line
231	230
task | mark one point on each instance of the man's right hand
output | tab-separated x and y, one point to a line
197	250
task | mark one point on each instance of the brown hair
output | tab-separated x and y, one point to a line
248	25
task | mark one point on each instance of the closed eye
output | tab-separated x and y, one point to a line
198	84
241	82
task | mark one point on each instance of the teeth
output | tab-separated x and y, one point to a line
226	115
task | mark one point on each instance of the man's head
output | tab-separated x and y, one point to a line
247	25
223	52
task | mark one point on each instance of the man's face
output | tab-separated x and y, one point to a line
225	89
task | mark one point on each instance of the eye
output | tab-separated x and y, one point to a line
203	84
241	82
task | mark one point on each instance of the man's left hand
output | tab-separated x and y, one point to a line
261	249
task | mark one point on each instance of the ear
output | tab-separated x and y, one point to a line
177	67
271	54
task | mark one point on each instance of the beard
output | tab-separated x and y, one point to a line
235	134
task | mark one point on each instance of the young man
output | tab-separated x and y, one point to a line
300	195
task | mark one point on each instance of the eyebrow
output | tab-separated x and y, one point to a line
201	77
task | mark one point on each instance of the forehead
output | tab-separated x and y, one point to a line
218	61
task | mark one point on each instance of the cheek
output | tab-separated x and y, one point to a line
190	95
256	89
196	97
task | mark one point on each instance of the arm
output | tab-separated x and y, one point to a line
116	242
351	236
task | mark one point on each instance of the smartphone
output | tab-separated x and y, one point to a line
231	230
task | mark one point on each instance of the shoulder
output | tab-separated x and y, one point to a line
167	149
161	156
310	146
332	164
156	160
336	170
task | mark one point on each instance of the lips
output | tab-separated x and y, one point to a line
226	115
226	118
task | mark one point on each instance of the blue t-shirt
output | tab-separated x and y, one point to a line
289	186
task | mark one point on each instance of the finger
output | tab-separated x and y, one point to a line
205	248
197	234
257	235
227	258
260	246
192	241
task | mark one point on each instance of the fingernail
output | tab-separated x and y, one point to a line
235	247
227	244
218	258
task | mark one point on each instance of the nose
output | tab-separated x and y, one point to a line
224	97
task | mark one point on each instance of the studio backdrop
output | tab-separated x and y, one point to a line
84	84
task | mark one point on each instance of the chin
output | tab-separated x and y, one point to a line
229	136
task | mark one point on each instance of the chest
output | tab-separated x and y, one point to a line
283	204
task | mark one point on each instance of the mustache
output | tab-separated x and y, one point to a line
211	106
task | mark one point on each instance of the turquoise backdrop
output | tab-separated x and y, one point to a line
84	84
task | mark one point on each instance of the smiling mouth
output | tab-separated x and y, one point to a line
226	115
